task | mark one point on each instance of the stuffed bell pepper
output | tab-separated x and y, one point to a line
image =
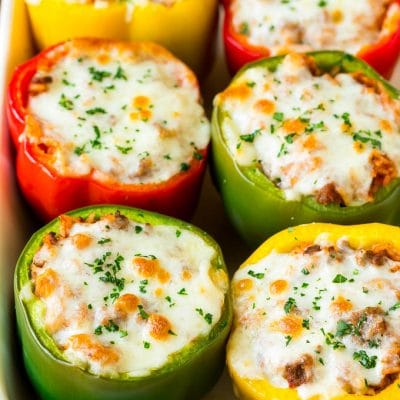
369	29
119	303
303	138
98	121
317	315
185	27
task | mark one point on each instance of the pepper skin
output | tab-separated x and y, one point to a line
358	236
188	375
54	21
382	55
51	194
257	208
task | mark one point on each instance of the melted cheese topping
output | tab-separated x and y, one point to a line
336	138
120	297
120	116
324	320
303	25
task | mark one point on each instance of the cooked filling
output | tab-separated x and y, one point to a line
323	319
131	116
334	135
121	297
302	25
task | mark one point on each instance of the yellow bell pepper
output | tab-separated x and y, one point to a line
186	28
358	236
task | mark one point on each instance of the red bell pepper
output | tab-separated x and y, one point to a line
382	55
51	194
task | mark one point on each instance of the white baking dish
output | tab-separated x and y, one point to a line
17	223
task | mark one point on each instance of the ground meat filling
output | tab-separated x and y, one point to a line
329	195
312	131
116	292
299	372
328	313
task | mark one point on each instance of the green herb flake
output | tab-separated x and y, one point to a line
98	75
250	136
278	116
343	328
289	305
120	74
306	324
96	110
65	102
184	167
98	330
143	314
104	241
339	278
364	359
258	275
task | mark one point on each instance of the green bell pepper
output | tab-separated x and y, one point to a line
188	374
257	208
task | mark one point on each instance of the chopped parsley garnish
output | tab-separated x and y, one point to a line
184	167
374	343
183	292
289	138
339	278
343	328
207	317
178	233
306	323
98	75
96	144
120	74
79	150
197	155
258	275
282	151
111	326
143	314
288	339
146	345
278	116
250	136
331	341
98	330
65	102
143	285
96	110
289	305
395	307
346	119
138	229
364	359
171	303
104	241
305	271
364	136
